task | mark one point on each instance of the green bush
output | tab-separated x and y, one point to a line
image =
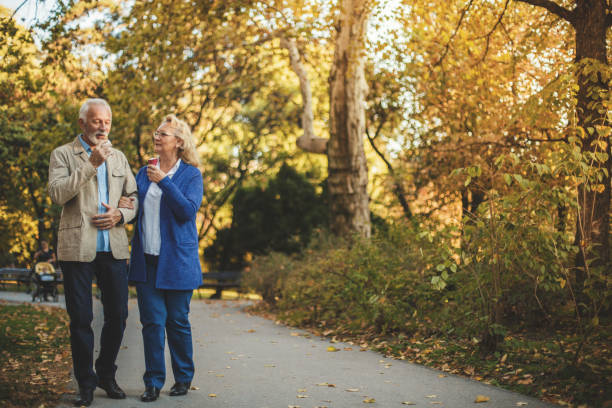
378	284
278	217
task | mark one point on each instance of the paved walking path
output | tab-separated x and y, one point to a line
248	361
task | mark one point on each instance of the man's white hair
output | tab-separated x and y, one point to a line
93	101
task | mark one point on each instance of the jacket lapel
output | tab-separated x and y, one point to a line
78	150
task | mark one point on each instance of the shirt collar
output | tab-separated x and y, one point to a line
174	168
85	145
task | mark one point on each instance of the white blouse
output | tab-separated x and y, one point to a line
150	221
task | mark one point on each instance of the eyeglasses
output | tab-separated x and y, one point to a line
157	133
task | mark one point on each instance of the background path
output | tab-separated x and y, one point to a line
248	361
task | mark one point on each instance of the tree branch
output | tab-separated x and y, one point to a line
398	189
446	48
307	141
553	8
18	7
490	33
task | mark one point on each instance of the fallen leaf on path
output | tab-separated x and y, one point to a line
269	365
326	385
442	375
193	387
353	390
408	403
481	398
294	406
369	401
332	348
302	390
212	395
521	404
303	396
431	396
435	403
251	331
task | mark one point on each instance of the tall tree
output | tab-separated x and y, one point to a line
590	20
346	161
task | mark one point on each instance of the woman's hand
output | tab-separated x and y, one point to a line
155	174
126	202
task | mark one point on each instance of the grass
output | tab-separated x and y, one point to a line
35	358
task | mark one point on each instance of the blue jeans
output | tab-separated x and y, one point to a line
164	312
111	277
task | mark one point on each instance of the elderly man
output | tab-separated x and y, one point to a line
87	177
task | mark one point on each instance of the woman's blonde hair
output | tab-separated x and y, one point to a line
187	152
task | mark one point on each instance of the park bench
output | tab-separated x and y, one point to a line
220	280
18	276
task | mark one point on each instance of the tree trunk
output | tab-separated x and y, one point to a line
593	224
347	167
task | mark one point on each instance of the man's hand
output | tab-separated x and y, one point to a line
100	153
155	174
107	220
126	202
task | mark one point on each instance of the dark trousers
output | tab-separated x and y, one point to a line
111	277
164	312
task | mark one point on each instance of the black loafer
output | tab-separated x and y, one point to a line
179	389
85	397
150	394
112	389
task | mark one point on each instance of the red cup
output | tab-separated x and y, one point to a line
153	161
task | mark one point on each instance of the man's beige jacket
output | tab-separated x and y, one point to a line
73	184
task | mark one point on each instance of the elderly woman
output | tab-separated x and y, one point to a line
165	264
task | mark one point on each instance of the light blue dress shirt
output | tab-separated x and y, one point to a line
103	244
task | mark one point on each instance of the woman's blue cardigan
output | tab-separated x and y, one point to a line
178	265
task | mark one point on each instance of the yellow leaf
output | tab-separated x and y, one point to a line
326	385
431	396
481	398
521	404
408	403
332	349
212	395
369	401
302	396
353	390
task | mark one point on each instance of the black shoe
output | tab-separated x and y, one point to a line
112	389
179	389
85	397
150	394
